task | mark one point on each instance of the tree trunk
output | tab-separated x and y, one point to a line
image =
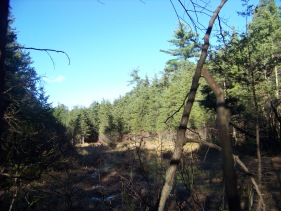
181	140
4	11
257	131
276	82
229	173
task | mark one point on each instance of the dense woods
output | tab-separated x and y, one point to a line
37	139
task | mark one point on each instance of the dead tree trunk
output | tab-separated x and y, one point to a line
4	11
181	140
224	136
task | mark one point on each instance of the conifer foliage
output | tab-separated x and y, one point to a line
33	139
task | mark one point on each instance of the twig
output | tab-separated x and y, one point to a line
221	32
172	116
100	2
46	50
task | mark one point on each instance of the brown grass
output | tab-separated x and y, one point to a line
129	176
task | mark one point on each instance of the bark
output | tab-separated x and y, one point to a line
170	173
229	173
4	11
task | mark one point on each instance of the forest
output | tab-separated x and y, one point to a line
205	134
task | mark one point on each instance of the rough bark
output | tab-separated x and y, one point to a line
4	11
229	173
170	173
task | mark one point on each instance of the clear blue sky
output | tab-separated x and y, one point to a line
104	42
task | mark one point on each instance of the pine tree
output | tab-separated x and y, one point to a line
34	139
187	48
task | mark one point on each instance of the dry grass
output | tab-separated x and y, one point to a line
154	145
129	175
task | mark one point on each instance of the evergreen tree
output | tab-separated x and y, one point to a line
61	113
88	130
177	76
93	113
186	42
105	118
187	47
33	138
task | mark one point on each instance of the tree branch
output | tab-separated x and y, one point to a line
46	50
238	161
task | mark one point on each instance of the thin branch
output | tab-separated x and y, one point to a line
193	131
190	18
221	32
172	116
202	7
100	2
54	65
195	11
175	11
46	50
241	130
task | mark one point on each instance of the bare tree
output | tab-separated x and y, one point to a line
181	139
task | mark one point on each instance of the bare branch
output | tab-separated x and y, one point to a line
175	11
46	50
100	2
221	32
172	116
190	18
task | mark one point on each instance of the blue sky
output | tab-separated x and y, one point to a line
105	42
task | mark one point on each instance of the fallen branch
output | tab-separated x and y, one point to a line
238	161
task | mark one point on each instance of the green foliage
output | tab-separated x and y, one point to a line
187	47
80	122
33	139
246	67
186	43
150	103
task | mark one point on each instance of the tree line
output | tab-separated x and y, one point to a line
246	65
